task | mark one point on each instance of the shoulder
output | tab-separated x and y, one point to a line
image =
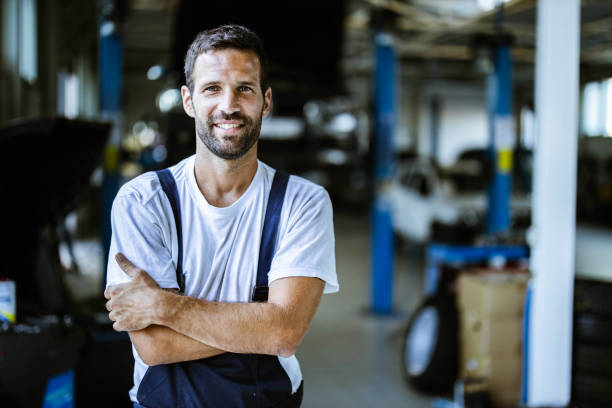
300	191
305	201
140	189
146	187
306	191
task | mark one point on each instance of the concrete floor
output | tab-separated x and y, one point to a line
350	358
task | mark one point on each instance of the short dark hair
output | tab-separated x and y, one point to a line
230	36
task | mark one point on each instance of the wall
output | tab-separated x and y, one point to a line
463	119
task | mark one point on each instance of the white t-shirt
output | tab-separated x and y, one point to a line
221	245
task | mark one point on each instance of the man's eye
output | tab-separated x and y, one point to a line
213	88
245	89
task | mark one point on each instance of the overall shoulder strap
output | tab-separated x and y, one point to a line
268	235
168	184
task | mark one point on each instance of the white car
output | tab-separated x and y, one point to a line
422	195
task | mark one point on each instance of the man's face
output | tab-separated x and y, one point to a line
227	102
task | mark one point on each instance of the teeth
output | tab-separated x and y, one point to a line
227	125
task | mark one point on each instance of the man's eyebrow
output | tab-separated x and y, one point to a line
207	84
250	83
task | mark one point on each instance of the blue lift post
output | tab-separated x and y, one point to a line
111	87
382	231
502	139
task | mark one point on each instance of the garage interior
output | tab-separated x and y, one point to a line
466	146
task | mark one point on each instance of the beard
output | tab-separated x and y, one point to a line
229	147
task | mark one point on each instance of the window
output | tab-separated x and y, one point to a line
68	94
597	108
19	32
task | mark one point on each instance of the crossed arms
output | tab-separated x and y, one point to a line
166	327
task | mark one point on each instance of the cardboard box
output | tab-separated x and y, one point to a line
489	365
505	373
499	295
485	336
491	327
505	399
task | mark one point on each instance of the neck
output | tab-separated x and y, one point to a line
221	181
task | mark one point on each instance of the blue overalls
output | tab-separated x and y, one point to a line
229	379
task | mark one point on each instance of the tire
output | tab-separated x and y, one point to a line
430	346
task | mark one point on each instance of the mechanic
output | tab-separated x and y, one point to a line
220	343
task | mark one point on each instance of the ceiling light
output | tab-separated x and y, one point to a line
155	72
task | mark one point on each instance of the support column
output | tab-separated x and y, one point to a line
111	91
549	339
382	232
502	139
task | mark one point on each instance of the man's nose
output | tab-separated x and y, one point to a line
229	103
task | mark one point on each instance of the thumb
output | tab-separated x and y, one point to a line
125	265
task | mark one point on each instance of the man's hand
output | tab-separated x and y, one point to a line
132	305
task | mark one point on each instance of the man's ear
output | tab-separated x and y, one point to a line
187	102
267	102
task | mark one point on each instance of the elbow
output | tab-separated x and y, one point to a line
149	358
286	352
147	348
287	344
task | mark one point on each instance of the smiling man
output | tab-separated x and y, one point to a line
218	263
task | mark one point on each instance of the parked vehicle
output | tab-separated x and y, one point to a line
448	204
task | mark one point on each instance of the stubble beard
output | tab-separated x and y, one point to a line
229	147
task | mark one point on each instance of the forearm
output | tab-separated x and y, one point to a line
235	327
276	327
162	345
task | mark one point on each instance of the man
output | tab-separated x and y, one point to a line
212	346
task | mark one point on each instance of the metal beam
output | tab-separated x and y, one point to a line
458	52
600	53
444	27
512	7
597	26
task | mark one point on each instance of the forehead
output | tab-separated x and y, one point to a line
227	64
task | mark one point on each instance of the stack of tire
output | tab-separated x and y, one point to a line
592	344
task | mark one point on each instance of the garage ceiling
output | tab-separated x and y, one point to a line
435	39
440	30
445	29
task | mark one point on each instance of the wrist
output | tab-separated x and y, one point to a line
164	306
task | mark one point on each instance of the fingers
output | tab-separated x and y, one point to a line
112	290
116	325
120	327
126	266
135	273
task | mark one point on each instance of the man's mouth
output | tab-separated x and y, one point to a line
228	126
